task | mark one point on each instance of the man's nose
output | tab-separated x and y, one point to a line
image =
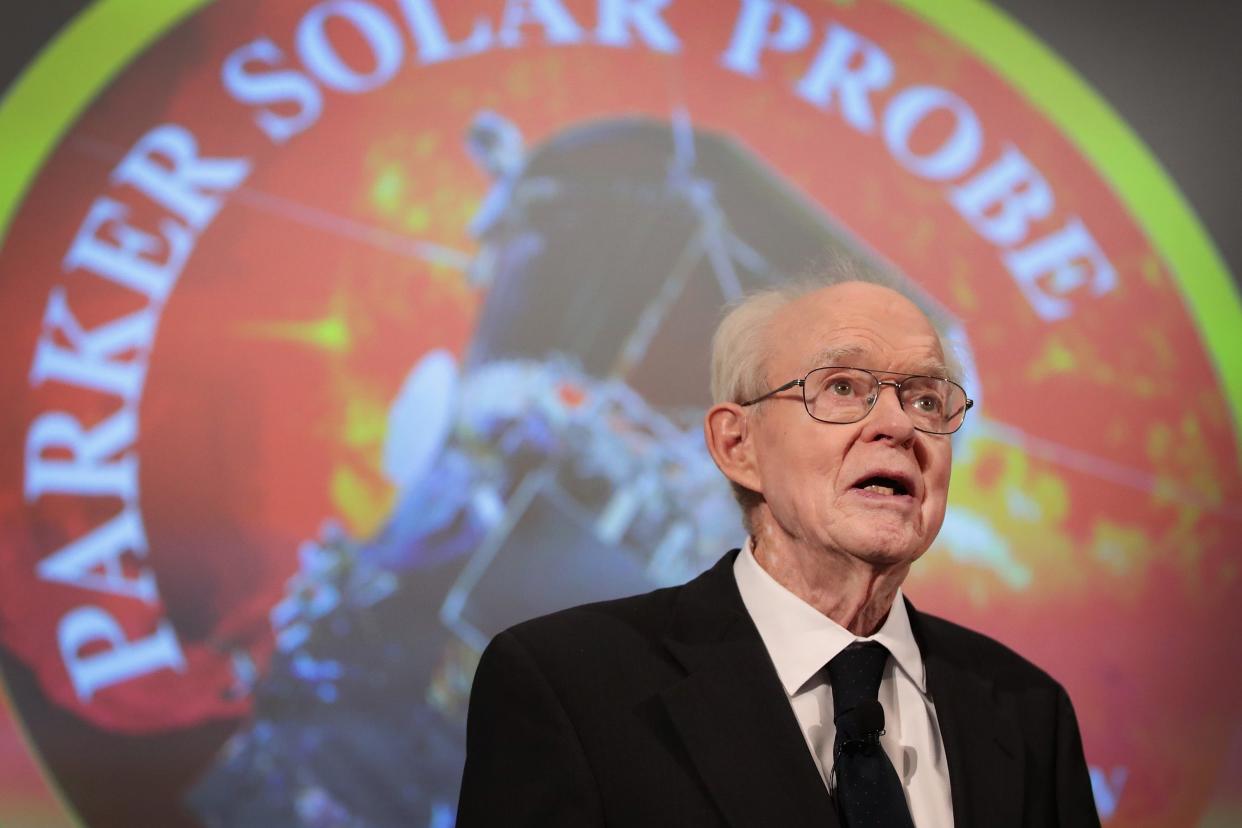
887	417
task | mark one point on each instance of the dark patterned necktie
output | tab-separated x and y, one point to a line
869	793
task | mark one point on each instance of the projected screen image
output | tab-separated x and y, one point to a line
342	336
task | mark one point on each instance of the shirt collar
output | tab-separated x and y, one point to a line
801	640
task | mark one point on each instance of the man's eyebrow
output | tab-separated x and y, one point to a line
932	368
840	355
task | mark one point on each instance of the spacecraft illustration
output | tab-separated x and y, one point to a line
560	460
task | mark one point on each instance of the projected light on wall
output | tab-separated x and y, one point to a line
343	335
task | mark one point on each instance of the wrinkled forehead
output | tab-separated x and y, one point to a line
862	326
857	355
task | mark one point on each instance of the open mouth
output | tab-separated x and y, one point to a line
882	485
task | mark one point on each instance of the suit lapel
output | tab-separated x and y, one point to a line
981	739
732	714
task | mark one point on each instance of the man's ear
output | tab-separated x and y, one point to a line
730	441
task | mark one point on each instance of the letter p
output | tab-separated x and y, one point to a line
112	658
755	33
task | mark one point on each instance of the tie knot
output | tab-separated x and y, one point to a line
855	674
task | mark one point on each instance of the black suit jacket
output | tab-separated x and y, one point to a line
665	710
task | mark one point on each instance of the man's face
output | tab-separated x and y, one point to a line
814	476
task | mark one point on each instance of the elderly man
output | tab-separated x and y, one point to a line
791	684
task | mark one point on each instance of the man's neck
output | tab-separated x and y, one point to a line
852	592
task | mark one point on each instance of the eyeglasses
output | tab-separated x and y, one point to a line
840	395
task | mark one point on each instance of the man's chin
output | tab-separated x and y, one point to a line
886	549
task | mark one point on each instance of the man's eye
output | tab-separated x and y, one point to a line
841	388
928	405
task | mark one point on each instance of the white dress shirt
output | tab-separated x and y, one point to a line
801	641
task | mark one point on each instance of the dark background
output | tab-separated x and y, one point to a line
1173	70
